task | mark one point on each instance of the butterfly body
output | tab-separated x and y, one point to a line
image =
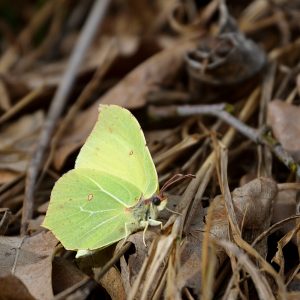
109	194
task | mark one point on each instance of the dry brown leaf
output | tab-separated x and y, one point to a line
254	200
293	296
50	75
112	282
189	274
18	140
29	259
34	225
156	70
285	122
65	274
12	288
131	267
252	203
7	176
284	207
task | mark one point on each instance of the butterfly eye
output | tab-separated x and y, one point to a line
156	201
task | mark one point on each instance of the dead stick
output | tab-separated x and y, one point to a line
30	97
221	111
58	103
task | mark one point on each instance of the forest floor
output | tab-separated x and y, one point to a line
215	87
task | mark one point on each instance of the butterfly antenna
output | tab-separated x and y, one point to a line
174	179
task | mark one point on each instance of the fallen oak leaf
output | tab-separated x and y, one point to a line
29	260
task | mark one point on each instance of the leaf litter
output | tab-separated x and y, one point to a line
215	86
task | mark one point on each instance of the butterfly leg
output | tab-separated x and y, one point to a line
127	233
146	224
144	232
129	228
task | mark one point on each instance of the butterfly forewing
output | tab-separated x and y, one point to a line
89	209
117	146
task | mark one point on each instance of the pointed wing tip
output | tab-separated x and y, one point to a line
106	106
112	106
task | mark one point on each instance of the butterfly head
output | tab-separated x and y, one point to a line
159	201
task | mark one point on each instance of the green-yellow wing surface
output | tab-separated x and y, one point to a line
117	146
88	209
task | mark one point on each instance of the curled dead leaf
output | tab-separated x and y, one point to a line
252	203
221	64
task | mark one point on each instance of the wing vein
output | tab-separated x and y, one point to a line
97	226
107	192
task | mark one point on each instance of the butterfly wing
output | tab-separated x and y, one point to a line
117	146
89	209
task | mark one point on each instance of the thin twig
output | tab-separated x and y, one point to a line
86	37
30	97
264	165
220	111
261	284
273	228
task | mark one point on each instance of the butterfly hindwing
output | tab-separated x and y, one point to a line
89	209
